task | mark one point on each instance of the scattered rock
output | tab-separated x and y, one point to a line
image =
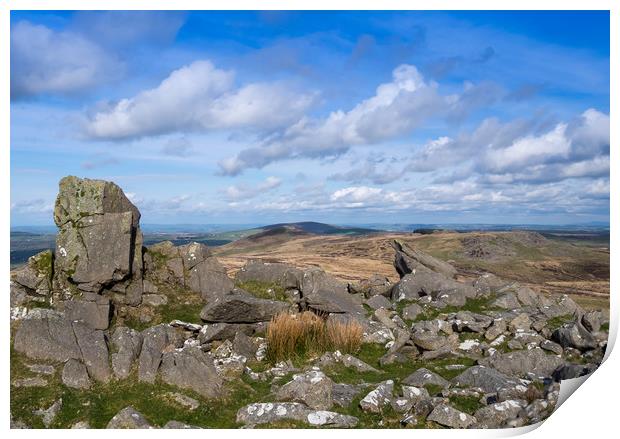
522	363
176	425
74	374
50	413
423	376
574	335
30	382
448	416
154	299
129	418
264	413
184	400
378	301
495	415
485	378
312	388
377	399
43	369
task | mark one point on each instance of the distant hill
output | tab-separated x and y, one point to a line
321	228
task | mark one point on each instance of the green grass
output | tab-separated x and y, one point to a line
263	290
466	404
557	322
605	327
479	305
101	402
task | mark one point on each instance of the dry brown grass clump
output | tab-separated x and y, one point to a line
300	335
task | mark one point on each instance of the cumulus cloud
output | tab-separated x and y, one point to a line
244	192
397	108
522	151
198	97
45	61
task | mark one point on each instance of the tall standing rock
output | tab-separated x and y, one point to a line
99	243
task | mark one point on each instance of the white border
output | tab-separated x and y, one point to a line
591	412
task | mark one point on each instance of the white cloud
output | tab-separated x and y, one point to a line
356	194
47	61
397	108
244	192
529	150
202	97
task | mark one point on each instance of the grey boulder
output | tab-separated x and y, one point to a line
241	307
192	369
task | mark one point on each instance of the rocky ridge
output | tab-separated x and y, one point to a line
481	354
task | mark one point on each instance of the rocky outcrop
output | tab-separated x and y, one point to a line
191	266
99	242
408	260
34	280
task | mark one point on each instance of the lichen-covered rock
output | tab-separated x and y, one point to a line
99	242
48	415
268	412
191	266
575	335
485	378
312	388
378	398
35	278
129	417
448	416
423	376
127	344
524	363
495	415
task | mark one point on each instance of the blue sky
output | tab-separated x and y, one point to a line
342	117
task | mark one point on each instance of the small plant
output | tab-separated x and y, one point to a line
299	335
264	290
345	337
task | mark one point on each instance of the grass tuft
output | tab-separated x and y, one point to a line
291	336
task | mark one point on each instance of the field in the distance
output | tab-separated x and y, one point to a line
552	264
571	261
